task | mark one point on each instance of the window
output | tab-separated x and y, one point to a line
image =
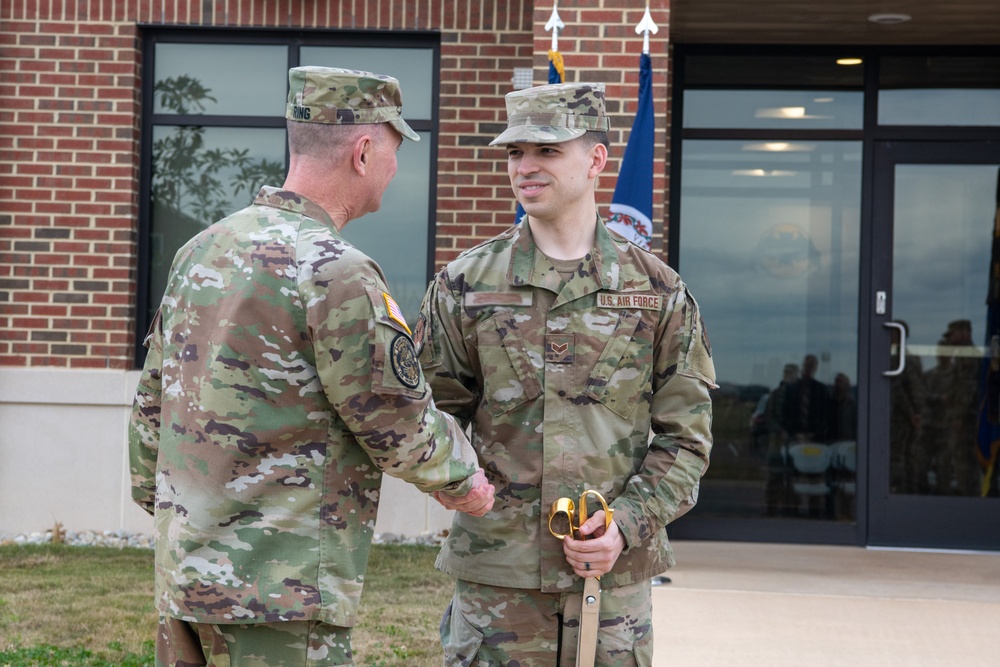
215	134
769	241
939	90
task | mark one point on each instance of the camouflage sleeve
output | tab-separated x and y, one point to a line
368	368
144	424
440	344
666	486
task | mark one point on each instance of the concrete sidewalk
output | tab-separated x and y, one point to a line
747	604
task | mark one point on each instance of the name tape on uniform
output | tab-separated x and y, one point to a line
640	301
473	299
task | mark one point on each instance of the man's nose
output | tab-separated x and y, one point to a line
527	164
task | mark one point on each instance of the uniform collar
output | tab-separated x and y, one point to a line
287	200
600	269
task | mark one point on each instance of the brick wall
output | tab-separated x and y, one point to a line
70	113
69	118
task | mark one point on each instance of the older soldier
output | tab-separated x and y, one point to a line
280	382
581	362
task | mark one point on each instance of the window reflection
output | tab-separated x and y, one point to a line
212	67
763	109
941	90
200	175
770	242
941	293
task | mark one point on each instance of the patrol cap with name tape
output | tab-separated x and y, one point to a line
337	96
554	113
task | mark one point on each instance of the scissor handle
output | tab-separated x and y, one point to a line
562	506
608	512
565	506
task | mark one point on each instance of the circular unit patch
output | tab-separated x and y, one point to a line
404	361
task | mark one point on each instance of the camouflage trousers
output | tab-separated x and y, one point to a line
299	643
490	626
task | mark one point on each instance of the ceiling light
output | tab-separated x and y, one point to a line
763	172
782	112
849	61
779	147
889	19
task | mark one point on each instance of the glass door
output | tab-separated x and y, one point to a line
934	374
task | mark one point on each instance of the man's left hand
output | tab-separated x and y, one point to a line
597	555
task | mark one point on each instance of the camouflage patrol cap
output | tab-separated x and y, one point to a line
345	97
554	113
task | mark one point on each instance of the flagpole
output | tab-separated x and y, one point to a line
555	24
632	203
645	27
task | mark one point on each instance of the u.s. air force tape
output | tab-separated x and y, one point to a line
404	361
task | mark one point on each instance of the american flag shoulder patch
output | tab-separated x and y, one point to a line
395	313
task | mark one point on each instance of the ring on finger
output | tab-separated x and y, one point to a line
586	566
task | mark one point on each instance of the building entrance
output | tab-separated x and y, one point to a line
837	225
934	375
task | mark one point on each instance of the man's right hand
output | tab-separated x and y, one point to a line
477	502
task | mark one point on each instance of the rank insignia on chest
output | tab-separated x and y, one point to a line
559	349
630	301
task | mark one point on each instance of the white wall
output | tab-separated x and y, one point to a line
64	458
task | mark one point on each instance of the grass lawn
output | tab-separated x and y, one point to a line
93	607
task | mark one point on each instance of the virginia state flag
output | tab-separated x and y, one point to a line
632	204
557	74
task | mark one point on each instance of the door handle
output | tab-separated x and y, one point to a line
902	349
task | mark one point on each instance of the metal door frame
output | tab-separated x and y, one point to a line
888	517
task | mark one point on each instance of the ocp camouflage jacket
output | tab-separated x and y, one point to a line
599	383
280	382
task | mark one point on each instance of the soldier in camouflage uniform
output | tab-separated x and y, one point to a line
280	382
581	362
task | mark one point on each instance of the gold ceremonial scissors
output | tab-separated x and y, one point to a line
564	507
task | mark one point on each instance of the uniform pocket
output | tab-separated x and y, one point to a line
618	651
643	650
459	638
621	375
509	377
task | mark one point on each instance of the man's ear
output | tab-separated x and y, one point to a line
362	154
599	159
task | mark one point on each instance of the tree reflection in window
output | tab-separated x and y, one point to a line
201	174
188	177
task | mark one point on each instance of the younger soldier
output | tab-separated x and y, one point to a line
280	382
581	362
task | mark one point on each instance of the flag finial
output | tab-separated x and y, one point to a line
645	27
555	24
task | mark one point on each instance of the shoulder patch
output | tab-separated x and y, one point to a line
404	361
395	313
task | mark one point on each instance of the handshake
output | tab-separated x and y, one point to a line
477	502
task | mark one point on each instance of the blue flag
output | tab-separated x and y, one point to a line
632	204
557	74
